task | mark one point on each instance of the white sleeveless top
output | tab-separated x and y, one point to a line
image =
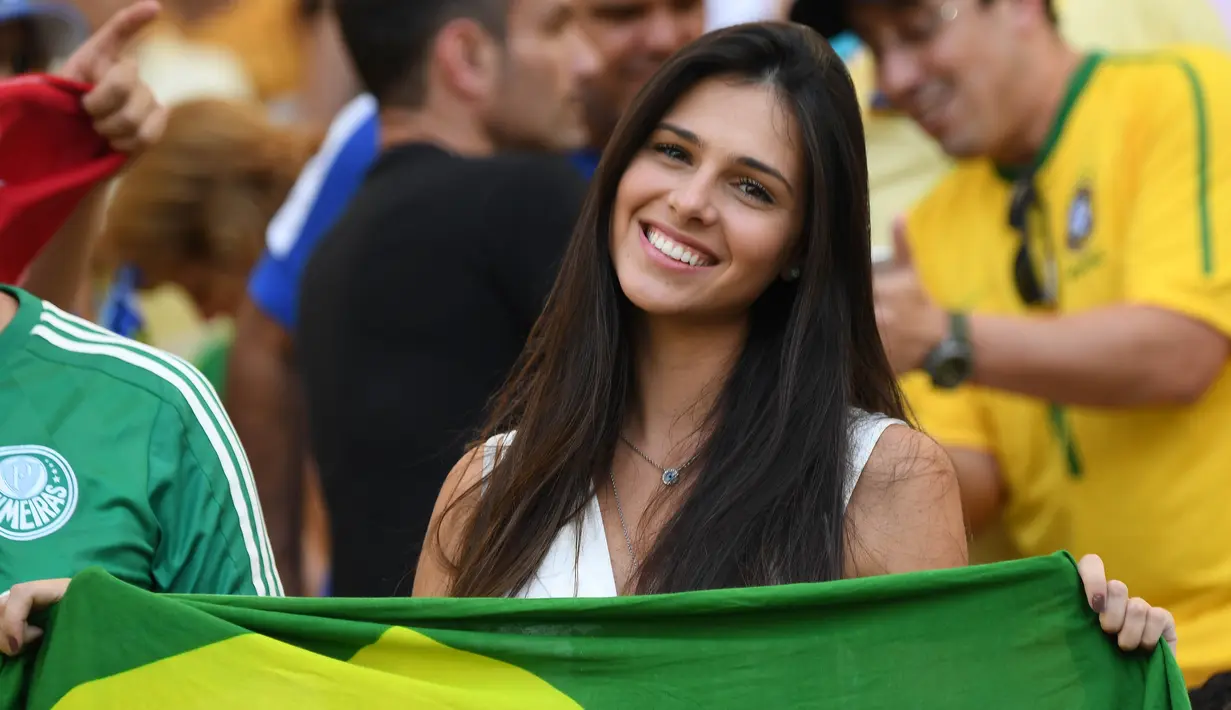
565	573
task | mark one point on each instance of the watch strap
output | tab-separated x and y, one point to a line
959	327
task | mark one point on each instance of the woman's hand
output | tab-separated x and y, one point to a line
15	607
1135	623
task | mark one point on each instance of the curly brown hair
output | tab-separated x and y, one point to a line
205	193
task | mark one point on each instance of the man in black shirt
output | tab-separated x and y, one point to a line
414	308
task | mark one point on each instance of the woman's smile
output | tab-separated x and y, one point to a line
674	250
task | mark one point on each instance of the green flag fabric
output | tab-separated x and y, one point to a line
1010	635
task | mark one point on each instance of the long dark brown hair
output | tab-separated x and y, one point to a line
768	499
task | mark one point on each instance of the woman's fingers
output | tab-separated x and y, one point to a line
1116	607
1094	581
1132	634
1159	625
1135	623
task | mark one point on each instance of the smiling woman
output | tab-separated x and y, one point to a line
706	402
708	366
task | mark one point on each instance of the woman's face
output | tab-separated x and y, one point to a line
708	213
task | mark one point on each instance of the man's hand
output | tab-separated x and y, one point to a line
910	322
123	107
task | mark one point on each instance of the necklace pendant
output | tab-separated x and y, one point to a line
670	476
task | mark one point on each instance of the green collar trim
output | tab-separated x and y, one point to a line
1077	83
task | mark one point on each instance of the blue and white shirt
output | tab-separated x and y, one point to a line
319	197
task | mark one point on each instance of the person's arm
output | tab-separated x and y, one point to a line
263	388
433	577
1121	356
906	512
212	534
263	398
1167	347
124	112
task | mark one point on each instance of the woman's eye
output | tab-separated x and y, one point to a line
755	190
672	151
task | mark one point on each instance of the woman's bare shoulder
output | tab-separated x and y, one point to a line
906	512
452	514
903	452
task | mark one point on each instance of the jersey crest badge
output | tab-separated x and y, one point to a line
38	492
1081	219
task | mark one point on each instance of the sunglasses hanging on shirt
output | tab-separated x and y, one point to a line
1030	288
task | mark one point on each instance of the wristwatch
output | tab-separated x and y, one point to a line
952	360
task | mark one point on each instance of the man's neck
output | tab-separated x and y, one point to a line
8	309
456	133
1043	92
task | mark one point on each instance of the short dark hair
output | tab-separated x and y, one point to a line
390	41
828	17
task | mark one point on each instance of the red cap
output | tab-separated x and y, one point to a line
50	157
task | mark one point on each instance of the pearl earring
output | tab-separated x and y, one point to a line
793	274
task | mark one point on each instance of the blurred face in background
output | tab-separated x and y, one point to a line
952	65
539	104
634	38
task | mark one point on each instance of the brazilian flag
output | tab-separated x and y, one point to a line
1011	635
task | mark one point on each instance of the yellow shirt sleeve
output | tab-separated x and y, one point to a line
1177	252
952	417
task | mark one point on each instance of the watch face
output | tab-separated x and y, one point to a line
951	372
950	365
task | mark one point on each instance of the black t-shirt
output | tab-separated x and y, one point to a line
413	311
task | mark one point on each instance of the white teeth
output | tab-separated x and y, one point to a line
673	250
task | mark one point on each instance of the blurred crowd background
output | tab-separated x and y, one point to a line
254	87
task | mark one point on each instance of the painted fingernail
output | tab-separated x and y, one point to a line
1098	603
14	646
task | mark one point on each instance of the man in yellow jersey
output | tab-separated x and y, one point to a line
1069	297
903	163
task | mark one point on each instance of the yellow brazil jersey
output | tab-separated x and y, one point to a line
1134	207
903	162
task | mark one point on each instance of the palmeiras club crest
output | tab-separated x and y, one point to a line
38	492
